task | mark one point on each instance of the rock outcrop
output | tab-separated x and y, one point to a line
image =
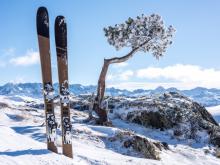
149	149
185	118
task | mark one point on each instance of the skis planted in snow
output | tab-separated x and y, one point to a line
61	48
44	48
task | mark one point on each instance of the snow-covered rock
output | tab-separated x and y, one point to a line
149	149
184	118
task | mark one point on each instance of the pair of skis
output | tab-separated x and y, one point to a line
61	49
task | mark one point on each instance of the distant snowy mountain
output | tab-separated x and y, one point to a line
207	97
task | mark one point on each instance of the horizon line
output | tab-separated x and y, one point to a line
110	86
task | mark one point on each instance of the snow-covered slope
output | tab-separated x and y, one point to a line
22	140
19	149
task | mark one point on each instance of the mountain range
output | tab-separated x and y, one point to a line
206	97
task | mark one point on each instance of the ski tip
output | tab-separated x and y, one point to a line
42	9
60	19
42	22
60	31
60	24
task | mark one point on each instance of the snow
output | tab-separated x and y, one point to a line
51	127
48	91
215	111
147	33
19	149
64	96
22	141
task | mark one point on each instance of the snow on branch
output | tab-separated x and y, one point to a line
144	33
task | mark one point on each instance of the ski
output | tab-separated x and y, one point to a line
44	48
62	62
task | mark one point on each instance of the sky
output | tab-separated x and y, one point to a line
191	61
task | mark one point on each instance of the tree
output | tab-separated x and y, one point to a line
142	34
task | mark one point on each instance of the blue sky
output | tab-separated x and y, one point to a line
192	60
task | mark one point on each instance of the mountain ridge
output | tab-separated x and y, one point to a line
206	97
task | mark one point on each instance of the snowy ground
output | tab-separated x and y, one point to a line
215	111
22	140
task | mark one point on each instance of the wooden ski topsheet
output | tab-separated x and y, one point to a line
44	48
62	61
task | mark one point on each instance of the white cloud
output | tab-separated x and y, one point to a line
110	77
179	76
4	55
186	75
30	58
124	75
182	73
120	65
18	79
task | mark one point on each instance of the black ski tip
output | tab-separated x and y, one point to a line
42	22
60	31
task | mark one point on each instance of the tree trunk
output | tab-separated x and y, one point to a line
101	85
100	111
100	94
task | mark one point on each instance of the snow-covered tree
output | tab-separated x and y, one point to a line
141	34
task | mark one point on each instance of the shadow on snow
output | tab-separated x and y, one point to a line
25	152
33	131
